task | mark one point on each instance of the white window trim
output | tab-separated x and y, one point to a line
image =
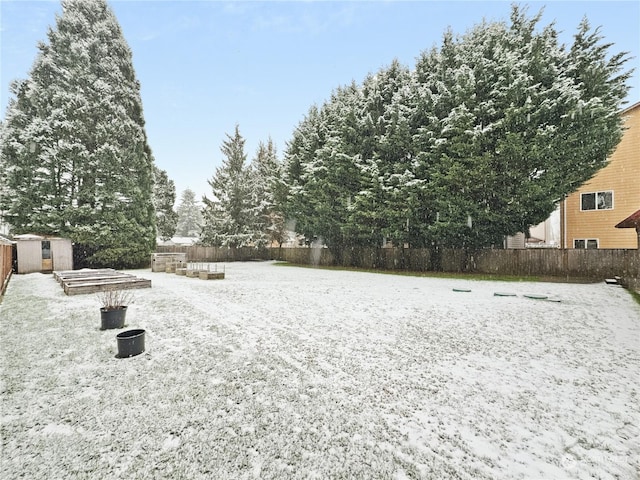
585	240
596	197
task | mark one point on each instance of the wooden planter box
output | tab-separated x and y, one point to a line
181	271
171	268
75	282
159	261
211	275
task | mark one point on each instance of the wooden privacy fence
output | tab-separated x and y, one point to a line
6	264
592	264
588	264
197	253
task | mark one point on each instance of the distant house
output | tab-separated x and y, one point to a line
177	242
43	254
543	235
588	217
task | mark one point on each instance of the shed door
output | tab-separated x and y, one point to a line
47	263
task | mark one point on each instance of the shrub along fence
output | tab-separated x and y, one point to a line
594	264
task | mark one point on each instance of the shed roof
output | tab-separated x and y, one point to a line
632	221
28	236
32	236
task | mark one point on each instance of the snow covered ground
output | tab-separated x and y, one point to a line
285	372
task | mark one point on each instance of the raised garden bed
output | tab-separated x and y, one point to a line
211	275
78	282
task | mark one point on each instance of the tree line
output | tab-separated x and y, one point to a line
479	140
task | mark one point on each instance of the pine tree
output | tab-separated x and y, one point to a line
515	127
266	174
229	216
342	155
164	199
321	169
189	215
292	197
74	150
5	192
385	206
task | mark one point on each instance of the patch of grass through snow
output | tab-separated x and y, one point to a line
462	276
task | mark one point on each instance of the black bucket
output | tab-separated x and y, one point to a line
130	343
113	318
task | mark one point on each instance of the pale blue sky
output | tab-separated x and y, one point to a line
206	65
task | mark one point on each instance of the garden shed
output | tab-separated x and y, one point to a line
43	254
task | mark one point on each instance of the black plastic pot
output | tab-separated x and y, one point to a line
130	343
112	318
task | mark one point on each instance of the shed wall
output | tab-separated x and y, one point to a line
29	256
62	254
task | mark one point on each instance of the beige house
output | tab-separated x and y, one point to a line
588	217
543	235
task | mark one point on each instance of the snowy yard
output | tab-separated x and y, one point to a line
284	372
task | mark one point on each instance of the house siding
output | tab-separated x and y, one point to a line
621	175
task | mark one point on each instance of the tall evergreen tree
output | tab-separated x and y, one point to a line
386	204
189	215
74	150
515	127
321	169
164	199
229	217
292	196
266	174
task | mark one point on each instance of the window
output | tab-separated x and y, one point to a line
46	250
596	201
585	243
